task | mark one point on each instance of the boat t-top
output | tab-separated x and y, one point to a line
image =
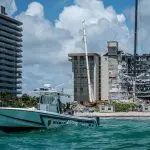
48	114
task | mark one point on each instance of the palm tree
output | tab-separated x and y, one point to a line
5	98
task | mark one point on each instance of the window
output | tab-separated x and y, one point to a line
103	108
146	108
75	89
81	90
81	60
81	80
109	108
81	70
75	57
76	70
91	58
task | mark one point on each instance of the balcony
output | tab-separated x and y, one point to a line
18	66
11	31
7	57
6	51
10	83
19	92
19	61
7	85
10	36
19	76
9	74
8	63
18	55
19	81
11	25
9	52
11	69
19	87
10	58
13	80
8	46
4	67
11	42
18	50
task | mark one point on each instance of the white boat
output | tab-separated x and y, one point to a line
47	115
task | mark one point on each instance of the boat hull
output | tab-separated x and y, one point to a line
18	119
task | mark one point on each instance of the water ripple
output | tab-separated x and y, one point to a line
113	134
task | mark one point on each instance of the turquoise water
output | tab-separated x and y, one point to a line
113	134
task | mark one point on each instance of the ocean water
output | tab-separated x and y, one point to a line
113	134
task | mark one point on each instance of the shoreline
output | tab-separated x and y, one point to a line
115	114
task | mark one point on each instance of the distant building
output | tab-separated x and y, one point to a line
111	88
79	70
142	67
145	108
10	54
111	75
106	108
115	65
104	78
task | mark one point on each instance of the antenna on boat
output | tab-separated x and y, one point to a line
87	62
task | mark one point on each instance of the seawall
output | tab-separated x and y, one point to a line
114	114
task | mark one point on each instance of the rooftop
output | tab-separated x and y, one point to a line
4	16
82	54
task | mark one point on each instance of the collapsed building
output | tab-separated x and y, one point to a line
111	75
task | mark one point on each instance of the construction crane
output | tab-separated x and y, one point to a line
135	49
91	96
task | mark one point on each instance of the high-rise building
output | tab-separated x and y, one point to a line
111	75
111	84
142	74
79	70
10	54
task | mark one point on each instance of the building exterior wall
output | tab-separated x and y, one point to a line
142	66
111	84
10	54
104	78
106	108
109	75
146	108
79	70
113	74
97	80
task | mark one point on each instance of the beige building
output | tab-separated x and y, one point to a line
104	75
109	69
106	108
104	78
79	70
111	88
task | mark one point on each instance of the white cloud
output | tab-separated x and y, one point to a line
143	25
10	6
121	18
43	46
46	45
35	9
103	24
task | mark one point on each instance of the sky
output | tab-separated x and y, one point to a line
53	28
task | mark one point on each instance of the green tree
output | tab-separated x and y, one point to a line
120	107
5	99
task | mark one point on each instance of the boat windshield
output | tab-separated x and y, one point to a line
48	98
